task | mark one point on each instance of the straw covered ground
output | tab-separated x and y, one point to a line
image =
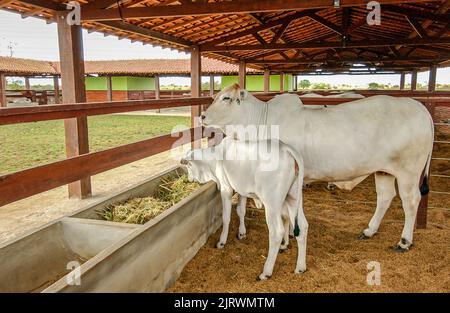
337	261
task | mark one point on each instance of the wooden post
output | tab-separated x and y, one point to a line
56	89
242	71
295	87
211	85
266	81
414	81
27	83
72	79
402	81
196	84
3	102
281	82
157	90
109	89
432	79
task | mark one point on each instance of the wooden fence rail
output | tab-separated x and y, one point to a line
25	183
28	182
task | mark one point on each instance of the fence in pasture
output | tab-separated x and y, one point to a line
28	182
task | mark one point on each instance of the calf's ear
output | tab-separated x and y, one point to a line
184	161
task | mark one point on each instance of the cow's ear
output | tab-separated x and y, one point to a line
243	94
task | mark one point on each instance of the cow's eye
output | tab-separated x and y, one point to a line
226	98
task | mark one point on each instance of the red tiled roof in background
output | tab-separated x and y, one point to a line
146	67
25	66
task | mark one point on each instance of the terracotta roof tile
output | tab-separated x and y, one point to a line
25	66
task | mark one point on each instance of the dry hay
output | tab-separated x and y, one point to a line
142	209
337	260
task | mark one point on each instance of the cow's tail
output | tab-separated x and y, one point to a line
300	174
424	186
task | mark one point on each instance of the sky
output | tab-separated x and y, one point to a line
33	38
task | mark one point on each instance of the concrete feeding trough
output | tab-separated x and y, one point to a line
113	257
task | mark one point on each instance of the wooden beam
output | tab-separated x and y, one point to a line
99	4
346	19
211	85
417	26
45	4
157	87
402	81
432	78
27	83
326	23
439	16
124	26
414	80
281	31
347	59
55	112
329	45
255	30
223	7
31	181
109	89
72	78
281	82
266	81
196	91
56	89
242	71
3	101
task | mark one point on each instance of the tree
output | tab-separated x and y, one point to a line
15	85
321	86
304	84
374	86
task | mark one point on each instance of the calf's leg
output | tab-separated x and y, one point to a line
240	208
276	231
226	196
285	242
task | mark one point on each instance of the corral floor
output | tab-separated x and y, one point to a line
337	261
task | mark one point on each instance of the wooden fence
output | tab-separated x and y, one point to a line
28	182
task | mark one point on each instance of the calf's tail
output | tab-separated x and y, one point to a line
298	204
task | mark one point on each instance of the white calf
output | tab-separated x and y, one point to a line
245	170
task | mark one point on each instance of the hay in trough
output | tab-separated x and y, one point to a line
142	209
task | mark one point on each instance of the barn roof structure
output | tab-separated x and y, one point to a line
142	67
289	35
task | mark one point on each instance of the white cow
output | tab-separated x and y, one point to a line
391	137
245	171
347	94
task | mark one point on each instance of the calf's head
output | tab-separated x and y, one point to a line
198	167
227	108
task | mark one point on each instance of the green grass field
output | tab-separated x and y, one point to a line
30	144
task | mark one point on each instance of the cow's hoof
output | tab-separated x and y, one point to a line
403	246
241	236
263	277
220	245
283	248
363	236
300	270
